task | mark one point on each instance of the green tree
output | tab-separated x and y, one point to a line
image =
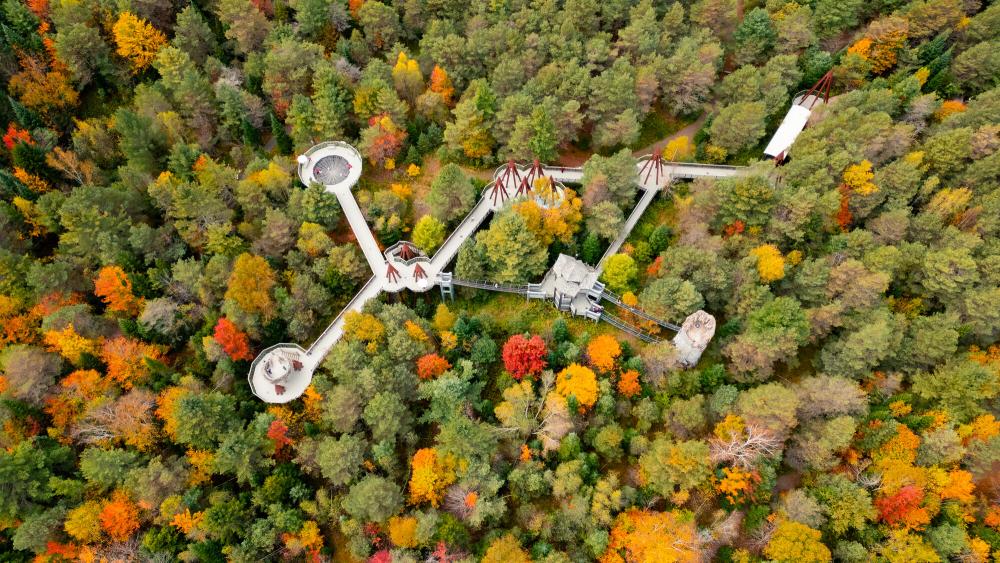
755	36
373	499
670	299
543	142
338	460
428	234
959	386
739	126
610	178
670	467
514	254
620	273
193	35
452	194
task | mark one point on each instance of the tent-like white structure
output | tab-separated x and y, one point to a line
797	118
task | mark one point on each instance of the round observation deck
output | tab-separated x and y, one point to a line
334	164
280	373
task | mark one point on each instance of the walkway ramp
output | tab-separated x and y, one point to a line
626	327
608	296
492	286
633	218
465	229
362	232
332	334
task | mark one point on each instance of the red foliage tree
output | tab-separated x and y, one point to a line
524	356
234	342
430	366
844	216
278	433
15	136
896	508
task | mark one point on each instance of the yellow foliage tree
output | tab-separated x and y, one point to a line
793	542
444	319
83	524
506	549
403	531
858	177
770	263
69	344
250	285
904	547
430	477
678	149
579	382
603	352
364	327
137	40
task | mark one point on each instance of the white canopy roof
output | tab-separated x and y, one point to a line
793	124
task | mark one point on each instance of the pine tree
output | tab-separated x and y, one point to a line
281	139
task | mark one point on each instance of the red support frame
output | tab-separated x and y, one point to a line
406	251
822	86
391	273
419	273
653	165
534	172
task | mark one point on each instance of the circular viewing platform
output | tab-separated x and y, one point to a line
334	164
280	373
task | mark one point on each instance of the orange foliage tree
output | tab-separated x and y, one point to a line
137	40
120	517
431	476
16	327
308	540
603	351
628	383
15	135
645	535
43	89
903	508
949	107
234	341
430	366
127	360
115	290
441	84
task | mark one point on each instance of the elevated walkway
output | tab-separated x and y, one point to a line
282	372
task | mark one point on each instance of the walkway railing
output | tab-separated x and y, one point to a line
493	286
633	330
638	312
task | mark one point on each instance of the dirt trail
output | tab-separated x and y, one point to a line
689	130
